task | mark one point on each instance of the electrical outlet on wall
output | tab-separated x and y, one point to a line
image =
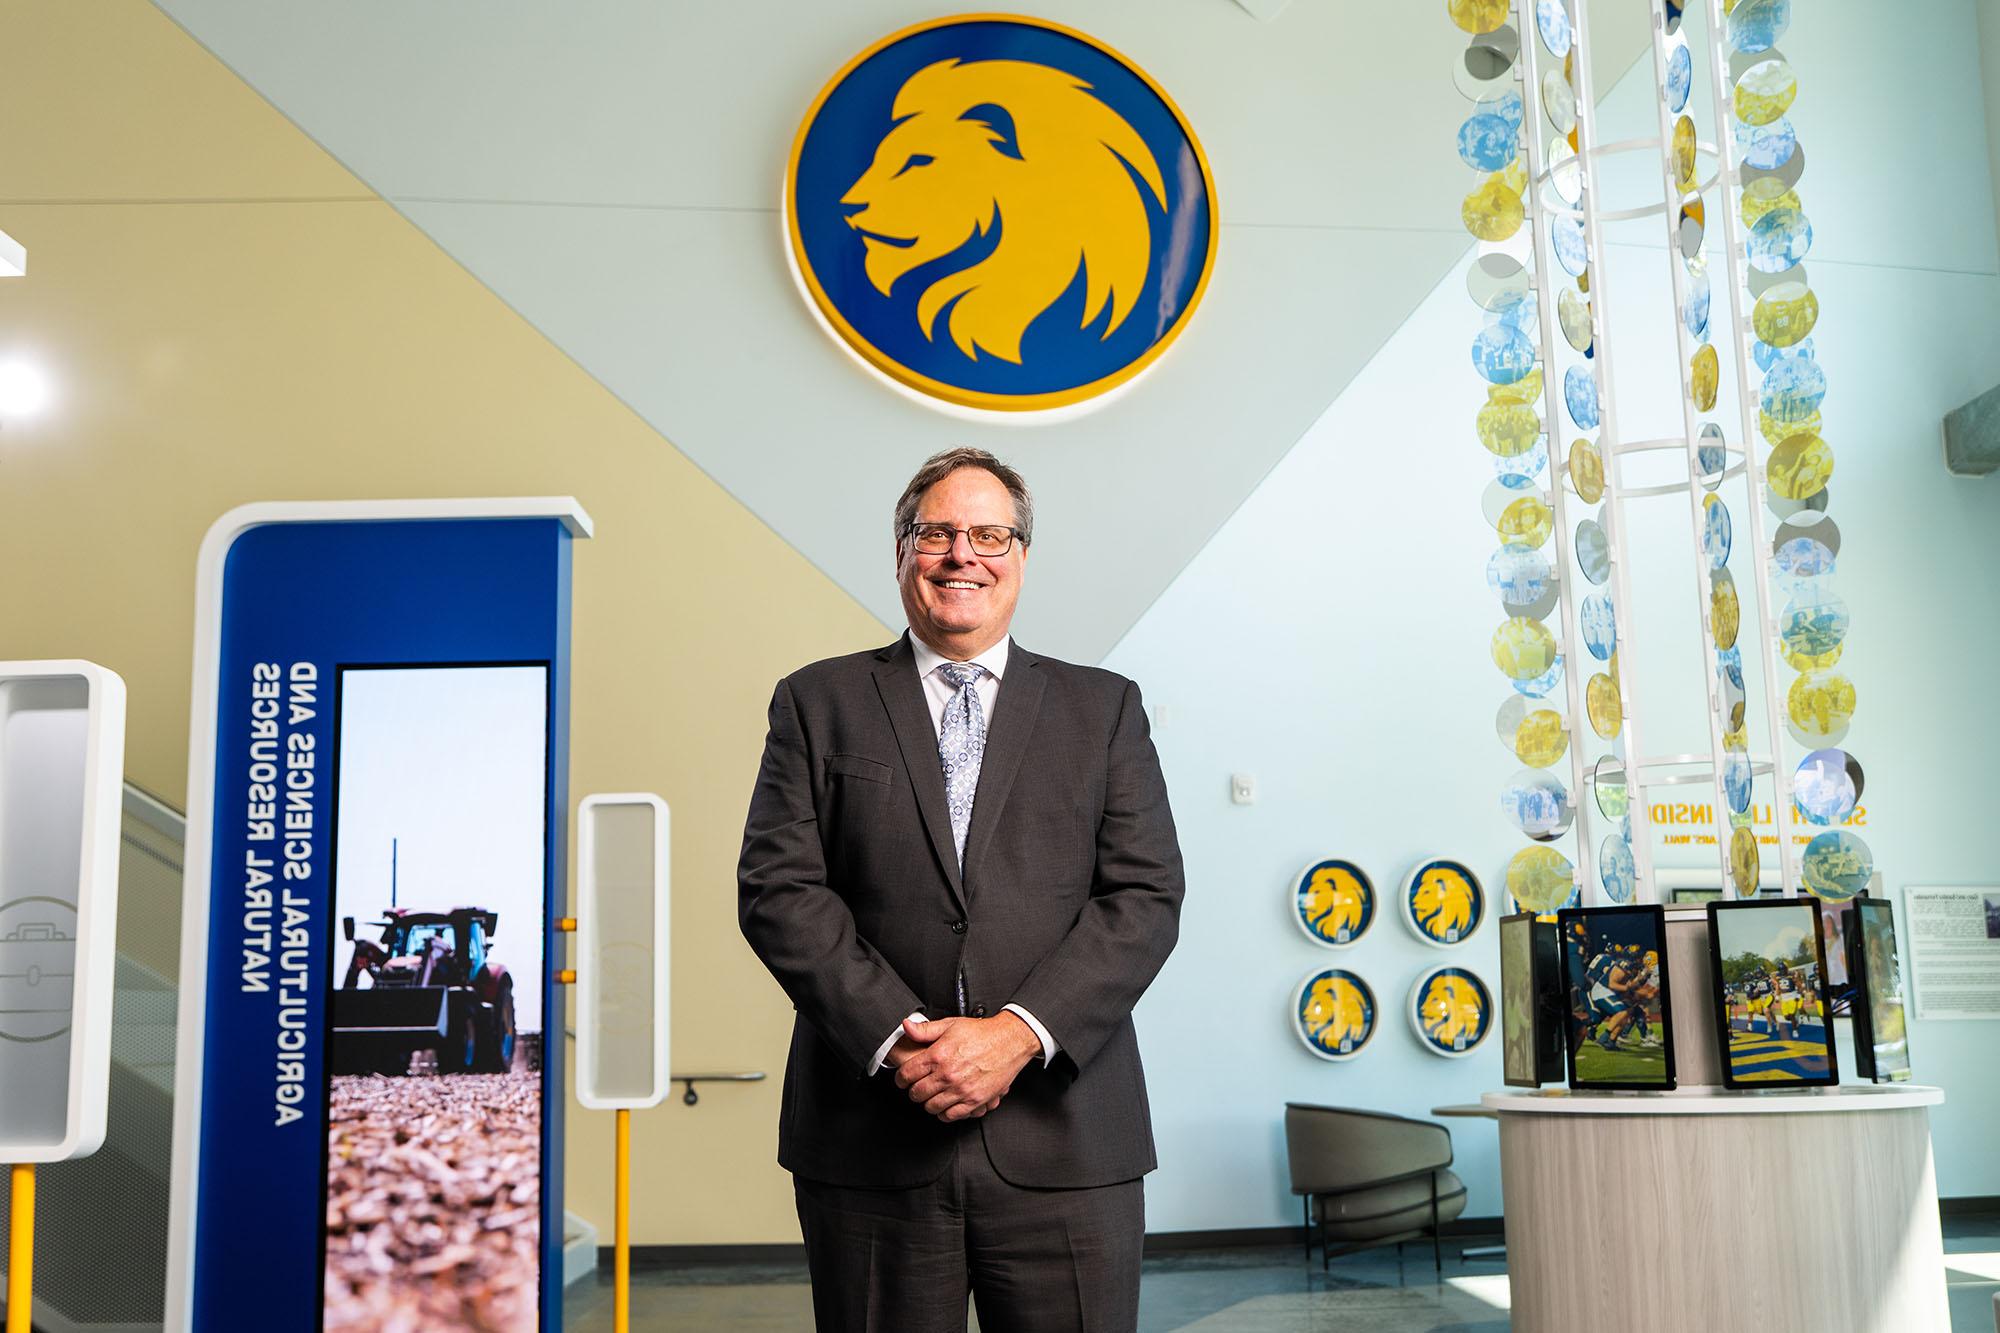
1242	789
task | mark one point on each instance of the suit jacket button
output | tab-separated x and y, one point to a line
979	1011
958	927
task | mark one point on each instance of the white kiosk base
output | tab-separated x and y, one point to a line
1717	1211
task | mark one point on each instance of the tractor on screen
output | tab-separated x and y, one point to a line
431	987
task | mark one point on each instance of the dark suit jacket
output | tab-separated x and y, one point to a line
849	889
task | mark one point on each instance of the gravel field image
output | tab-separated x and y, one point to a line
433	1203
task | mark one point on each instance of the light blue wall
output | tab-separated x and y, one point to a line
1332	638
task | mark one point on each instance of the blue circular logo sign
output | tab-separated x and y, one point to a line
1443	903
1333	902
1000	212
1451	1010
1333	1013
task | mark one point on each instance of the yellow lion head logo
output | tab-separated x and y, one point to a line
1452	1011
1023	147
1335	1012
1334	903
1443	903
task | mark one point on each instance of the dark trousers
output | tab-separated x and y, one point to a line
1033	1260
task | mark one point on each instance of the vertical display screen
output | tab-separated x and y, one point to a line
1886	1035
435	1141
1615	972
1771	993
1517	1001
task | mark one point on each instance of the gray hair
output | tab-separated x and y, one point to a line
941	465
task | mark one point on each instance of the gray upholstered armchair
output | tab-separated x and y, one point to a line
1368	1179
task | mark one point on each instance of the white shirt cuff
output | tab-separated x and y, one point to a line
882	1051
1049	1047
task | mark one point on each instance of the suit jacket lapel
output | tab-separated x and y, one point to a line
902	694
1014	712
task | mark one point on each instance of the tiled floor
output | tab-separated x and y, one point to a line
1224	1291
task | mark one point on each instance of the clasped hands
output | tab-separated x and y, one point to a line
960	1068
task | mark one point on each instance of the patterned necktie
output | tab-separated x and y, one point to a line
961	747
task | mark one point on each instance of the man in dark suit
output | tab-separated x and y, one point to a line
960	865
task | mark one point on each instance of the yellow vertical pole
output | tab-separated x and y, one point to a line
21	1254
621	1239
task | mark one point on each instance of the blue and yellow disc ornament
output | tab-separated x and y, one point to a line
1451	1011
1442	902
1000	212
1333	1013
1333	902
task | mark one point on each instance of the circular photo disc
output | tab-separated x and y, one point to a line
1333	1013
1691	226
1525	520
1535	802
1593	551
1725	612
1837	865
1757	25
1614	797
1508	428
1785	314
1800	467
1825	533
1765	194
1443	903
1786	173
1617	869
1812	627
1333	902
1497	282
1586	472
1684	153
1680	78
1502	353
1711	456
1779	240
1766	90
1493	211
1580	396
1700	300
1540	879
1766	147
1489	58
1599	623
1731	701
1573	314
1736	780
1540	739
1604	704
1704	377
1823	788
1745	862
1792	390
1566	235
1521	575
1552	21
1558	102
1804	558
1451	1011
1717	532
1818	708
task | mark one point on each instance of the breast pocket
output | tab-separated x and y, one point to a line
858	766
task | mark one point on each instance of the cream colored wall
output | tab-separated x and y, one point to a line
229	316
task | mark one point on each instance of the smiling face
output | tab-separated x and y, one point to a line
961	603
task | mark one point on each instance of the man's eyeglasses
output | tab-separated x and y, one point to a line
937	538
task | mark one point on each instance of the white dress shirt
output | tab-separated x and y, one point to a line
938	694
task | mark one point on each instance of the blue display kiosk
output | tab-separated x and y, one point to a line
368	1116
